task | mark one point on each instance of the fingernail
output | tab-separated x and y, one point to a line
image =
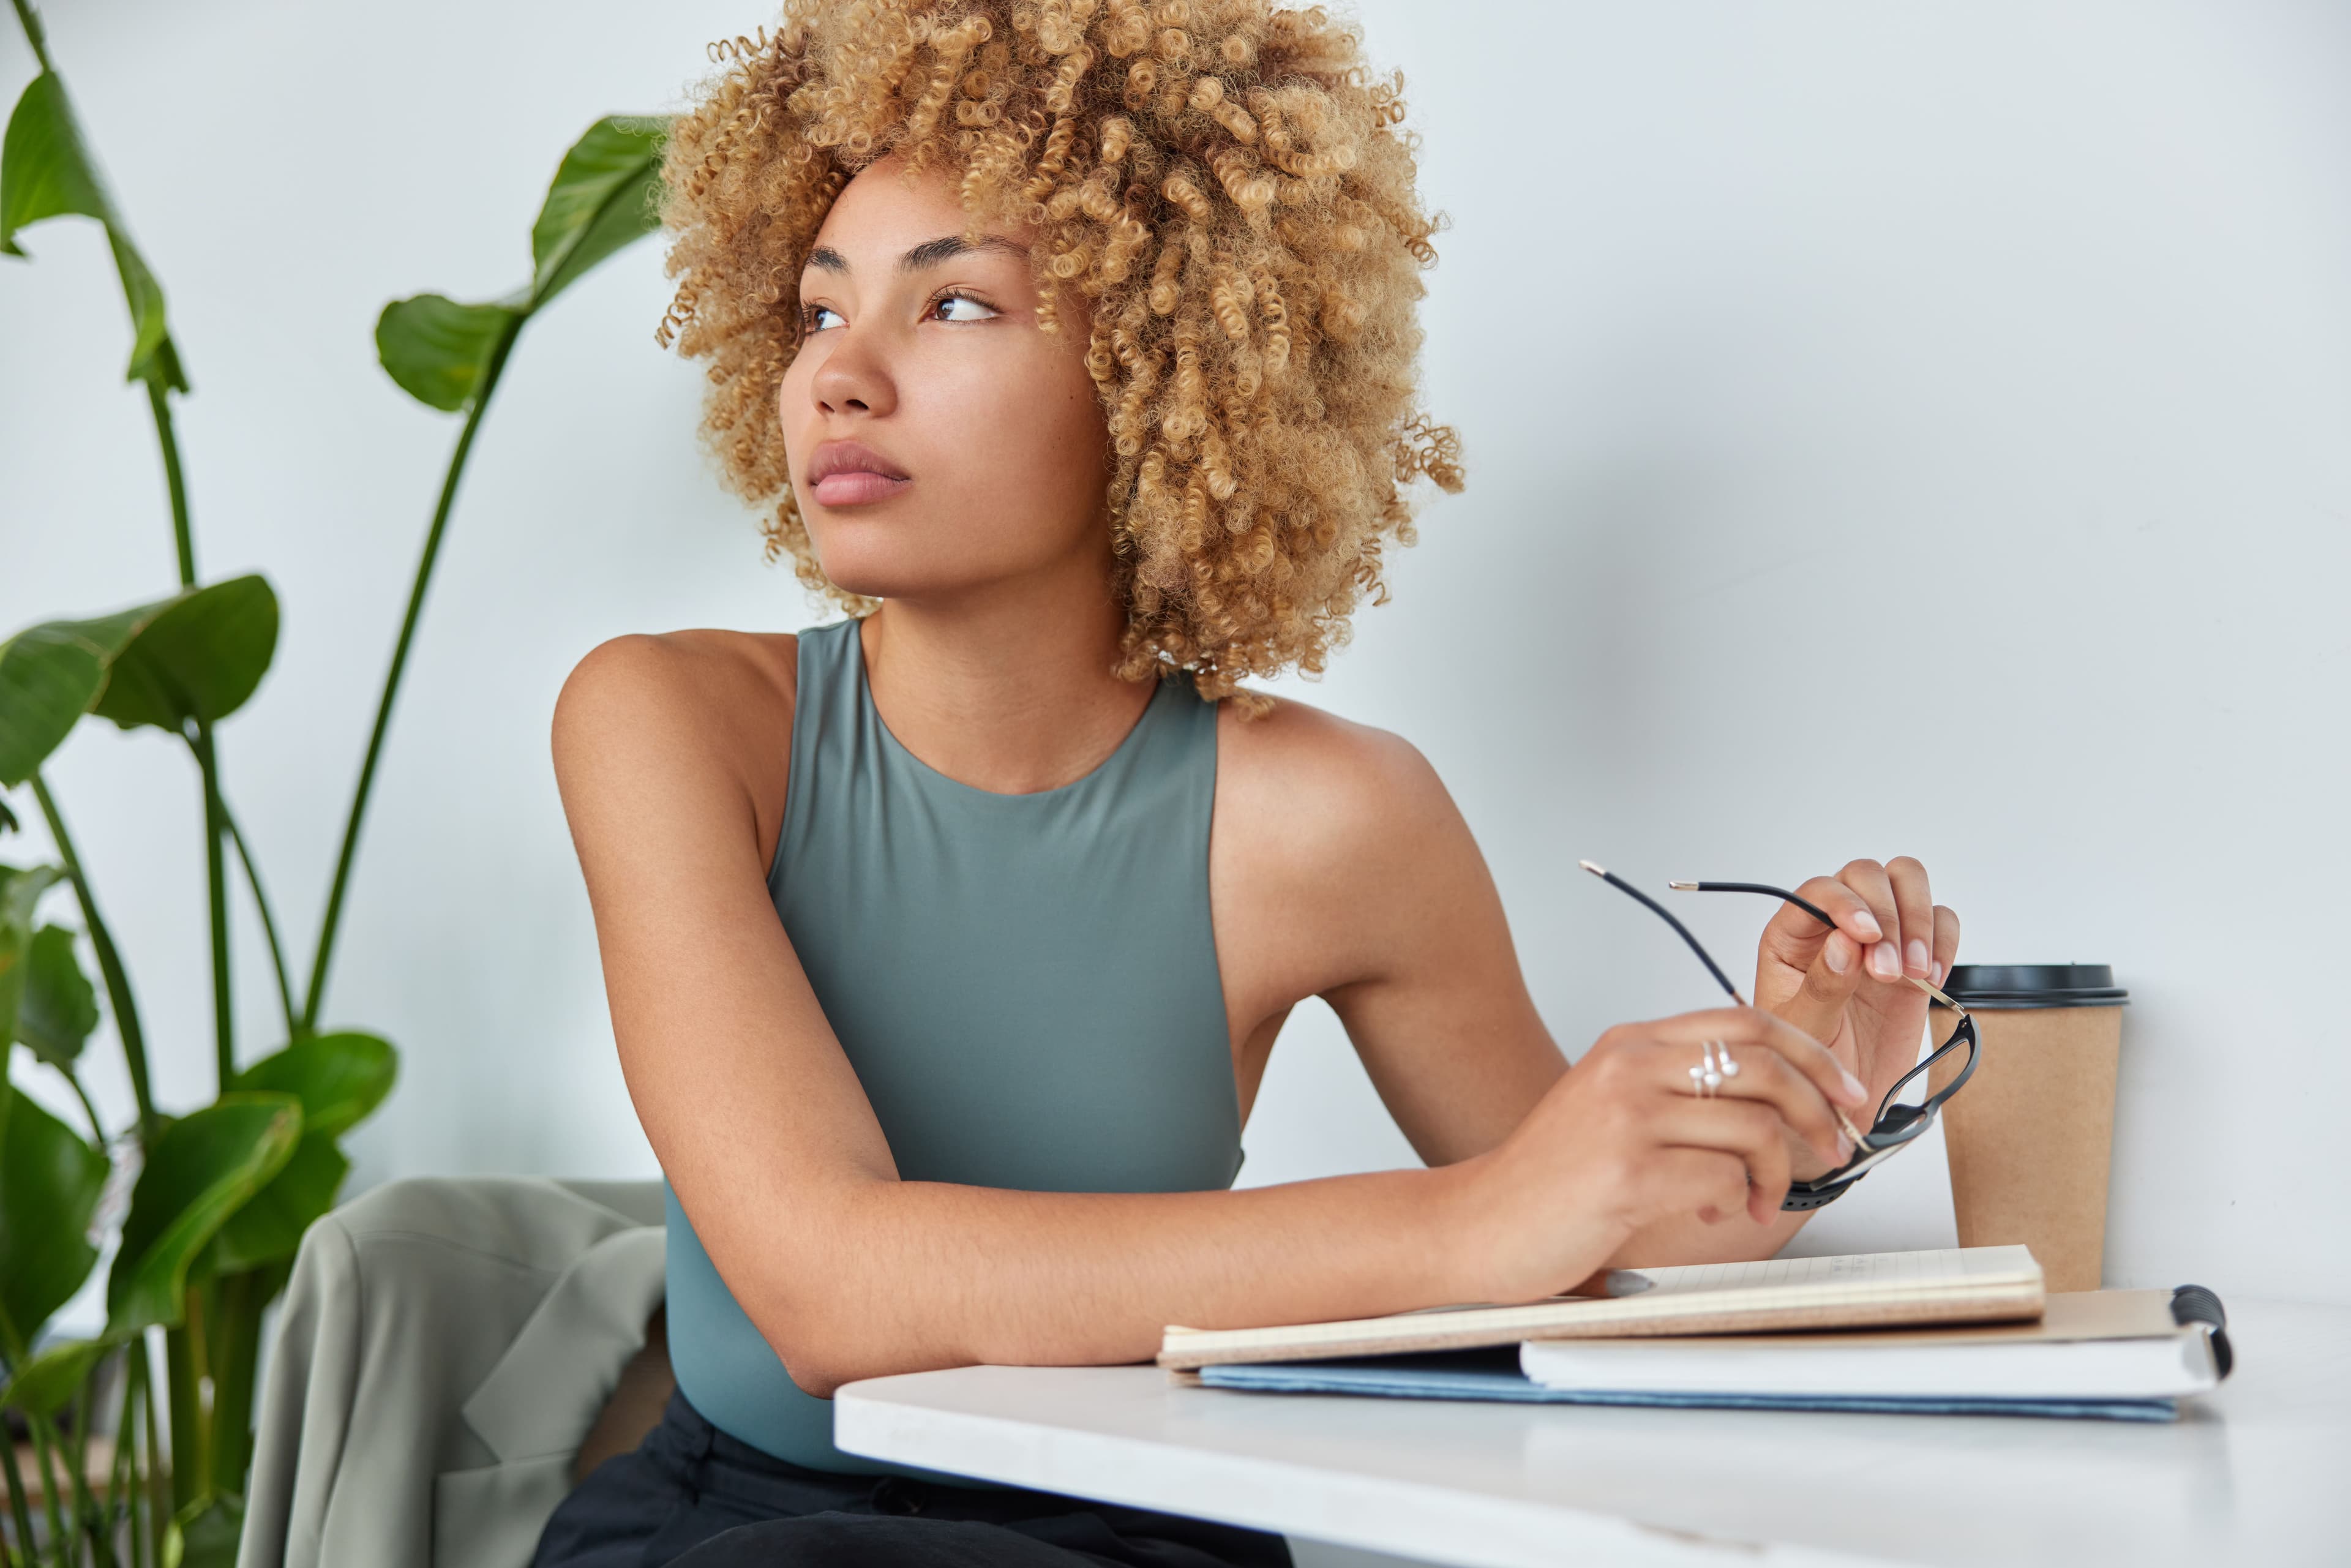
1884	963
1920	959
1867	924
1844	1148
1939	972
1839	953
1853	1091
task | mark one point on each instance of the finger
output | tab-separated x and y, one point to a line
1795	937
1855	919
1767	1077
1946	943
1718	1069
1868	879
1837	972
1914	902
1832	964
1741	1127
1751	1026
1708	1183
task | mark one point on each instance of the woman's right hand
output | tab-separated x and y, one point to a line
1622	1140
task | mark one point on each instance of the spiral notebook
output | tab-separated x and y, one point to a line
2128	1356
1878	1289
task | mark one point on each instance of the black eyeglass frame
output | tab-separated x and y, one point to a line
1896	1123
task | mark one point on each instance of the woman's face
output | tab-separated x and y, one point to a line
940	441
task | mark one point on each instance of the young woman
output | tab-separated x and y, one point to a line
1073	344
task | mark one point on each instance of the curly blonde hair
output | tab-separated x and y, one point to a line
1223	186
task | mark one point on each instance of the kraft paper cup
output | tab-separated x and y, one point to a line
2030	1137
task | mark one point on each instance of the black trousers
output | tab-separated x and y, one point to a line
692	1496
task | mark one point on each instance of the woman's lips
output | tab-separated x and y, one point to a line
852	474
857	487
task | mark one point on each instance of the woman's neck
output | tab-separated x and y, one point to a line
1008	690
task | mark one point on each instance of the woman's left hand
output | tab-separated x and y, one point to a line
1850	986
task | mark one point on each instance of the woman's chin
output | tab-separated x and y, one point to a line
871	579
879	568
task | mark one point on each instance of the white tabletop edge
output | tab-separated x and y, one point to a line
2252	1473
1437	1524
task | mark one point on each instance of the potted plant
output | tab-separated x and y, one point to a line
218	1195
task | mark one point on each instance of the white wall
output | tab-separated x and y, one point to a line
1893	428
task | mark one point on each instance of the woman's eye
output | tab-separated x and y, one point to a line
820	317
958	308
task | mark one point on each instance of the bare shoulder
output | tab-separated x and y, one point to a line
716	683
1323	796
681	715
1342	768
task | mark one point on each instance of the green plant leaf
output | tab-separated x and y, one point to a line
20	894
197	654
200	657
49	674
436	349
603	196
46	171
20	891
205	1535
49	1186
606	193
61	1006
270	1224
203	1167
338	1078
43	1384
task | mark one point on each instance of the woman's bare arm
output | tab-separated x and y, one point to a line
1340	868
766	1134
1346	832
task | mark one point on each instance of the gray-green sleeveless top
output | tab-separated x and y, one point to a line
1027	986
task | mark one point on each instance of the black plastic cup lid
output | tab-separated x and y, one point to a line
1999	985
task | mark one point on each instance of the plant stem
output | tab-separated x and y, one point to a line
183	1357
216	903
38	1425
85	1507
159	399
491	371
97	1127
236	1346
269	923
13	1478
40	42
122	1476
159	1497
110	962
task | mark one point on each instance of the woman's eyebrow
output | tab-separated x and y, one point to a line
930	253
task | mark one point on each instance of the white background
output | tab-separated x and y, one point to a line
1892	428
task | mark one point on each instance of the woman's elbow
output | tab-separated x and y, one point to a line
819	1351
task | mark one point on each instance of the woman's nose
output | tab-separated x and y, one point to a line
852	379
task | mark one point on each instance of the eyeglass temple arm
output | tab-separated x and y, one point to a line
1621	885
1807	905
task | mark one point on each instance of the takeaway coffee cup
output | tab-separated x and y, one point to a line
2030	1137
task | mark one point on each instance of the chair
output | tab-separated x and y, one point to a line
451	1352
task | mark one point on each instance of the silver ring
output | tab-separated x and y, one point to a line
1714	1065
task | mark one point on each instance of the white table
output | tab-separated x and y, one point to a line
2260	1473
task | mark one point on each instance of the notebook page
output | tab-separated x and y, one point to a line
1947	1265
1883	1290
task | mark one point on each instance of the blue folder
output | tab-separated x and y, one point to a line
1494	1375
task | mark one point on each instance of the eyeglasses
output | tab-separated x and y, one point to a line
1897	1125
